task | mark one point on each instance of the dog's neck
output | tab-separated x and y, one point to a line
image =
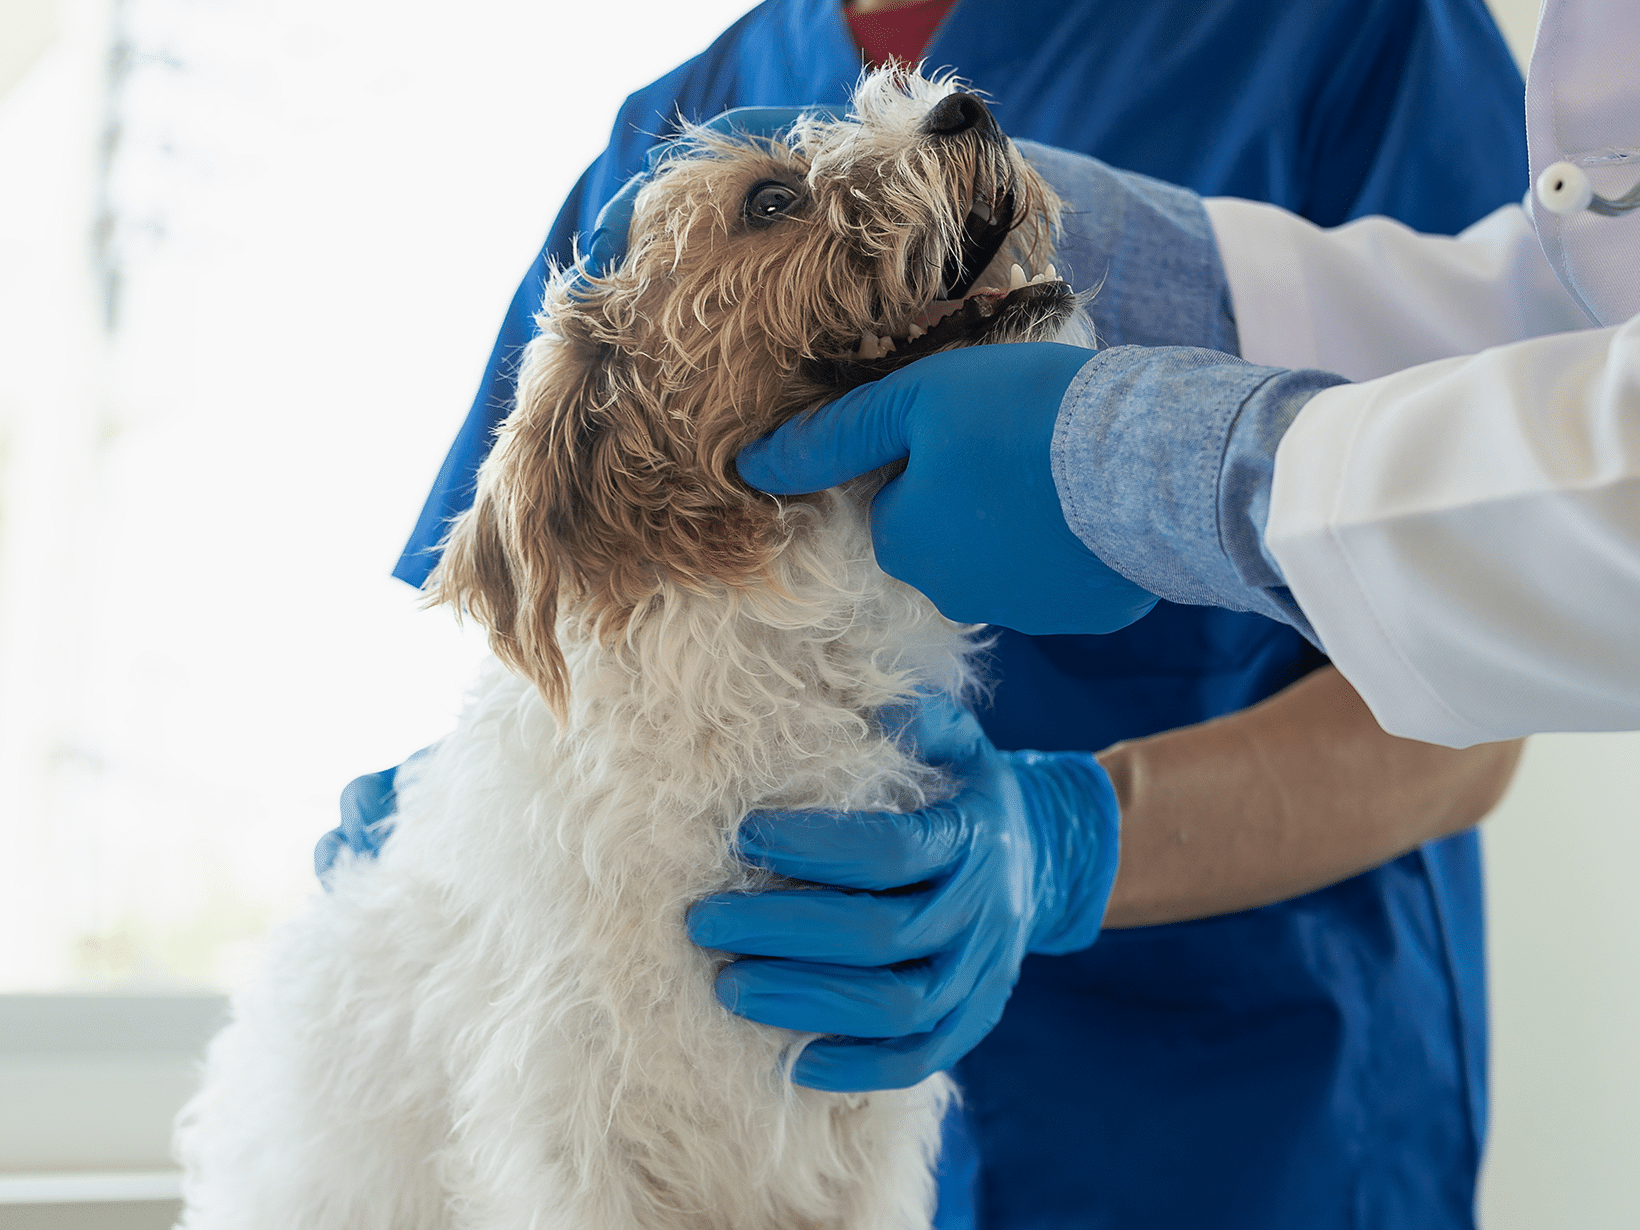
763	689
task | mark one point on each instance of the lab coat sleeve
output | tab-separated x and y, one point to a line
1373	297
1464	537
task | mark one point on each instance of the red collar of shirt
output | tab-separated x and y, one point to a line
902	34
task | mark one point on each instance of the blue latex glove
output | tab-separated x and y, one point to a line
975	521
369	804
909	953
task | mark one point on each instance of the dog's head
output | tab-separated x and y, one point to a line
762	278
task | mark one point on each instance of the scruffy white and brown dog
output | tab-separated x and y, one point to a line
501	1023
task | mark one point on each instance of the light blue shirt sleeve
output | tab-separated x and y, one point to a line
1164	458
1164	449
1146	250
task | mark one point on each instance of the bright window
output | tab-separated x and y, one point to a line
232	353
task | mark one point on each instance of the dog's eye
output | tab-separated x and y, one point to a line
768	200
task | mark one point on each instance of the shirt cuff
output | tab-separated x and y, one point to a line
1164	460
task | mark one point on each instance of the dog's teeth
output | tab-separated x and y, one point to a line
915	331
1053	274
1016	278
872	346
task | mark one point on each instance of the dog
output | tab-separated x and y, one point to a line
501	1022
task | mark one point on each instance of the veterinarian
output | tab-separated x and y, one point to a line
1462	537
1310	1064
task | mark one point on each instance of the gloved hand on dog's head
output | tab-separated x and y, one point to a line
907	954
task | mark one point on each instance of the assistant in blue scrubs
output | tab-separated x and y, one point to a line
1315	1064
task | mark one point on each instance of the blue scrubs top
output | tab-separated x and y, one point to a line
1314	1064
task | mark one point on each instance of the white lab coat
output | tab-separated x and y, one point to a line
1462	527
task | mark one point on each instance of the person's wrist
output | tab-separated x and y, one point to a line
1077	824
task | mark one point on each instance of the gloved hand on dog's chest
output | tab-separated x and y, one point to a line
907	951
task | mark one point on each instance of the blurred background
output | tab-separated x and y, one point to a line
252	260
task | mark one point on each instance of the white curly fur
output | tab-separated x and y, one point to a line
501	1023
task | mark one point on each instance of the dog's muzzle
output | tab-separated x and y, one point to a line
956	114
986	227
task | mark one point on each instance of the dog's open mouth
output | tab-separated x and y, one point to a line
985	229
1010	306
963	315
947	322
982	315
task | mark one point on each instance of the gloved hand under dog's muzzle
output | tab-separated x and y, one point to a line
906	951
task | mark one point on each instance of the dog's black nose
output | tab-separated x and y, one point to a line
958	113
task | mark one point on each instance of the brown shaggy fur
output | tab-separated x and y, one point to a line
616	468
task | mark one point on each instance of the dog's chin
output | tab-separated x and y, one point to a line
1031	312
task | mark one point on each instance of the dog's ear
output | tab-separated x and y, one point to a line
597	489
506	558
500	569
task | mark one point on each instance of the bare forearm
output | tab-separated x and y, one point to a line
1289	796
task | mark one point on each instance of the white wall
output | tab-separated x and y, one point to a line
1564	931
321	212
1518	21
1562	853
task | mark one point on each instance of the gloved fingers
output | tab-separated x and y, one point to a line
825	925
843	1064
366	802
607	245
859	849
327	851
878	1002
861	431
943	731
859	1065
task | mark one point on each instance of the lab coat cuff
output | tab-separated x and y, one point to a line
1309	540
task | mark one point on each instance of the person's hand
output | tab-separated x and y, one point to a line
907	954
975	521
